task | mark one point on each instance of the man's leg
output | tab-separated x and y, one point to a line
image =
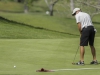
82	52
93	51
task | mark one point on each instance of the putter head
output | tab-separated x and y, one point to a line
74	63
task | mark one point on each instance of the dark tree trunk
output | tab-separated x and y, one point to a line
51	10
19	1
51	7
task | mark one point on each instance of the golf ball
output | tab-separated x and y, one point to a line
47	12
14	66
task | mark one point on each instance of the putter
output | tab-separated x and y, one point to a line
75	55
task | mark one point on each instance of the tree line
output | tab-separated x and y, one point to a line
95	4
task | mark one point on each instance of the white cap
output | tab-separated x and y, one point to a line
74	11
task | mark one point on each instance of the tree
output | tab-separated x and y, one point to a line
27	5
91	4
72	4
26	9
51	4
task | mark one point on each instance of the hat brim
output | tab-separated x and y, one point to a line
73	14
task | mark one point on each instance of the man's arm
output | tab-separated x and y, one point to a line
79	27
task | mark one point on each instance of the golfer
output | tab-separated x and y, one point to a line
87	34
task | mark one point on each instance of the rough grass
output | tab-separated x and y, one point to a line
41	20
13	30
65	25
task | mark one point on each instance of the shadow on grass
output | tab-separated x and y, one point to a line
96	22
93	64
11	21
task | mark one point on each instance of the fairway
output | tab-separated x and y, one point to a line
29	55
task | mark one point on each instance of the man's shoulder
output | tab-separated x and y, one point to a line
82	14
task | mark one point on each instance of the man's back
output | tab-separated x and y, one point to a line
84	19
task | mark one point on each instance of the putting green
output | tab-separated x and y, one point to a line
29	55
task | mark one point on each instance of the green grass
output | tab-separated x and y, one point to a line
11	6
31	49
96	18
9	30
30	55
41	20
55	23
47	22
